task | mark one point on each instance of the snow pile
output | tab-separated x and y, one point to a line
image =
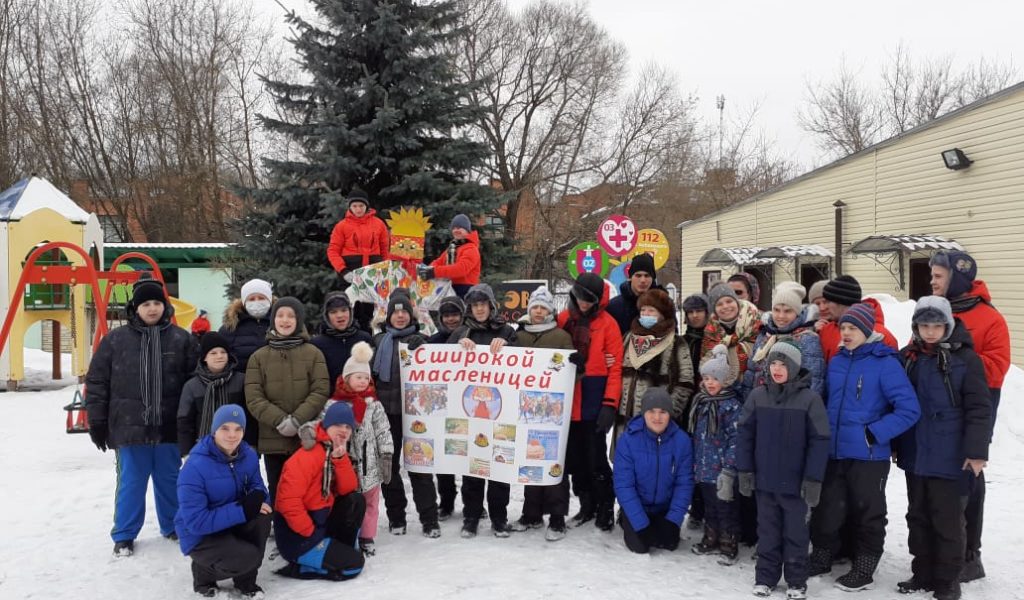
58	501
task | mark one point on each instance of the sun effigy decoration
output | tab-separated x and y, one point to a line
408	235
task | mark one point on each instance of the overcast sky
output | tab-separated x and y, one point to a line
764	51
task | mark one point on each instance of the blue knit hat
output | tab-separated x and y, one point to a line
340	413
860	316
229	413
461	221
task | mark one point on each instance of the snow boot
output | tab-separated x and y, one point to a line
947	591
586	510
469	527
819	562
397	528
124	548
913	585
206	590
860	576
444	513
556	529
708	544
249	589
431	529
729	548
694	524
972	569
524	524
796	592
173	536
500	529
367	546
761	590
605	517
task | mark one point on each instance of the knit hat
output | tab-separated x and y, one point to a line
934	309
451	305
753	288
541	297
643	263
861	316
659	300
340	413
293	303
589	287
656	397
718	366
789	353
695	302
844	290
400	300
148	289
962	271
211	340
717	292
789	293
229	413
462	222
359	360
358	195
817	290
257	286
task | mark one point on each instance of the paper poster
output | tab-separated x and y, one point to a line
501	416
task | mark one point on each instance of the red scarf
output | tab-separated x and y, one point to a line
356	399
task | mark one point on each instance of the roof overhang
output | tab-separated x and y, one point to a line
787	252
717	257
171	256
884	244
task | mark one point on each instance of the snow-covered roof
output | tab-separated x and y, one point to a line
734	256
794	251
896	243
34	193
180	245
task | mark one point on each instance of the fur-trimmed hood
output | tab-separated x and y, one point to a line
235	313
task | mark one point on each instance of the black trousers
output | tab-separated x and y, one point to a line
936	528
546	499
274	464
447	491
343	523
697	507
423	493
235	553
473	499
782	537
854	489
660	533
587	462
975	511
722	516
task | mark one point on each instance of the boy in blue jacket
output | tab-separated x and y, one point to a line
782	452
653	476
223	519
870	403
944	452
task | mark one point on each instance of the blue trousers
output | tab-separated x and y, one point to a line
782	538
135	466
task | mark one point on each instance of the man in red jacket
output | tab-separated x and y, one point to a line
461	261
840	294
953	276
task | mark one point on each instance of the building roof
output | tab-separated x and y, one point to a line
734	256
794	251
1013	89
33	193
879	244
172	256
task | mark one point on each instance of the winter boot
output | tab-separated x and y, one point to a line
124	548
500	529
469	527
913	585
397	528
605	516
249	590
431	529
206	590
729	547
972	569
586	510
947	591
444	513
860	575
761	590
694	524
708	544
556	528
367	546
819	562
524	524
796	592
173	536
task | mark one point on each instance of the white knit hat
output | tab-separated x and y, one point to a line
257	286
789	293
359	360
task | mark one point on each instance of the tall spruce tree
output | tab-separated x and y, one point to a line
382	109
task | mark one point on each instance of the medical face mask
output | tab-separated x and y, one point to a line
258	308
648	322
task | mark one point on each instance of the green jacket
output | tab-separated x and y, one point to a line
279	383
557	338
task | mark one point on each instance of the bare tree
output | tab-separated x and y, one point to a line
842	113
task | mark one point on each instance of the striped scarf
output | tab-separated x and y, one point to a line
215	396
151	371
327	479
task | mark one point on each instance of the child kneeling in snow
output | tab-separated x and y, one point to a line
782	452
371	446
318	510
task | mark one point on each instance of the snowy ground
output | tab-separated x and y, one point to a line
57	507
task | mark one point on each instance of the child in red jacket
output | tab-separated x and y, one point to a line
461	261
359	239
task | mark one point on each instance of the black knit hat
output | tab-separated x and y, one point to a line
451	305
643	263
145	290
358	195
589	287
293	303
695	302
210	341
400	300
335	300
844	290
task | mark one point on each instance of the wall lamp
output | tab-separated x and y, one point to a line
955	159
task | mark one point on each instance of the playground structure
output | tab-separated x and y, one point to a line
60	278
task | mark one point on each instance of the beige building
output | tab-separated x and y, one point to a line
879	214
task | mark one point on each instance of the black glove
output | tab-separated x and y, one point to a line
810	491
98	433
424	271
605	419
252	503
579	360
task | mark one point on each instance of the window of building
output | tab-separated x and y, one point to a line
710	278
112	227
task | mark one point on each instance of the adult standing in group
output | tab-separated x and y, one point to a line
954	276
597	394
338	333
642	277
132	392
461	261
246	321
840	294
735	323
746	287
357	240
285	386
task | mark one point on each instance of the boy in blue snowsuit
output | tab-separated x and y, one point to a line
944	453
781	453
870	403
